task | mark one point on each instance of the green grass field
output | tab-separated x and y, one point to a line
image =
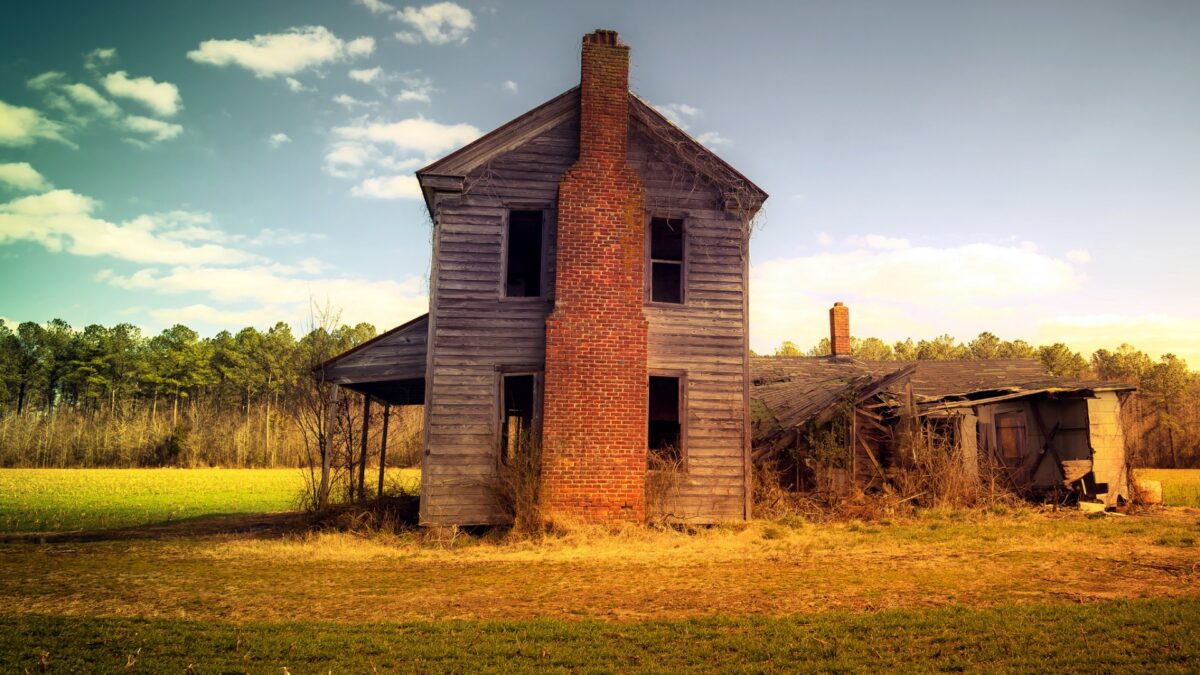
1181	487
1009	589
1147	635
55	500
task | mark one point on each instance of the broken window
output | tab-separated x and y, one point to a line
518	414
1010	436
665	431
523	261
666	260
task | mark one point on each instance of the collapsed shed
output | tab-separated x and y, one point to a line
829	422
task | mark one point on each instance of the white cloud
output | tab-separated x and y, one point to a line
417	135
509	86
79	102
275	293
296	86
348	159
160	97
681	114
99	58
388	187
897	290
363	46
418	90
278	139
22	176
350	102
824	239
366	75
85	95
23	126
287	53
438	24
711	138
62	220
155	130
47	80
1079	255
377	6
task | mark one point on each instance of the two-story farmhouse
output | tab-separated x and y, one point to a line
588	290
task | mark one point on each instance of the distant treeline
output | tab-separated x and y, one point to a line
1162	421
111	396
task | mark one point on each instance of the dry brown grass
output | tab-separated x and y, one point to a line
940	558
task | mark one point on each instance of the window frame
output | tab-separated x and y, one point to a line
539	380
684	262
680	375
546	282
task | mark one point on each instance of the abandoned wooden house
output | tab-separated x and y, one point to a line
830	422
588	291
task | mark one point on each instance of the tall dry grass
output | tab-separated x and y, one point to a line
194	436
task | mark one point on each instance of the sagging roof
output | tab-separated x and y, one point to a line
449	172
798	389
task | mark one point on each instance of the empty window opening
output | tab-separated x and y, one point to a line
1010	436
665	432
517	415
523	267
666	260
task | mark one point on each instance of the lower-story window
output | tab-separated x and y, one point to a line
665	428
518	415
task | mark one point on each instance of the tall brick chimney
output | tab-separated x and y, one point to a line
839	329
594	419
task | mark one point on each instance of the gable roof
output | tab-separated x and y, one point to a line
448	172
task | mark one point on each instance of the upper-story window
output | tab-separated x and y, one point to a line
666	260
524	260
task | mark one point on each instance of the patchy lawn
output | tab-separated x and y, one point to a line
1010	589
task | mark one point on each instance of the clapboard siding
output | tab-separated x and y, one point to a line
476	332
704	338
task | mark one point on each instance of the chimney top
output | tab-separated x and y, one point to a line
602	36
839	330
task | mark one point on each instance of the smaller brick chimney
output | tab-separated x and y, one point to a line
839	330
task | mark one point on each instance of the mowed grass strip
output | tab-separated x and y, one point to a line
57	500
1138	635
1181	487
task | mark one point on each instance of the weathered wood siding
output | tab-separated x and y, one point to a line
705	337
1108	444
476	334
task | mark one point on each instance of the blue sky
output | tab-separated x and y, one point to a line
1029	168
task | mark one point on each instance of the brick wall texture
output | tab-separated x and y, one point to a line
839	329
594	424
